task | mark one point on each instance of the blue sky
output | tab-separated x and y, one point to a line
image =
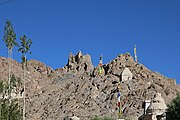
108	27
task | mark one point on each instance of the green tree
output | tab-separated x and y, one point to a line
173	111
12	82
13	109
95	118
15	112
3	107
102	118
1	86
3	89
24	49
18	88
9	39
9	111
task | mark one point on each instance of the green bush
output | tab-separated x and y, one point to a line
9	108
95	118
173	111
14	111
104	118
1	86
107	118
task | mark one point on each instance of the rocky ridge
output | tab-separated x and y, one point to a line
79	90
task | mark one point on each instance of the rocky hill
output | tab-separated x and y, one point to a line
78	89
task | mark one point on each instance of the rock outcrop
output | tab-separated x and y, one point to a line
40	67
79	63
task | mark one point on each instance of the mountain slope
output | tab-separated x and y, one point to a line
79	90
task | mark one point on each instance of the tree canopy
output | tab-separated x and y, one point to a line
9	35
173	111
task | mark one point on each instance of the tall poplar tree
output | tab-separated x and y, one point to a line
24	49
10	40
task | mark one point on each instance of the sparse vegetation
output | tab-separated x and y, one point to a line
102	118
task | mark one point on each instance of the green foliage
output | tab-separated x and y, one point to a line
10	110
14	111
24	61
24	48
12	82
25	44
9	39
173	111
95	118
107	118
104	118
9	35
1	86
4	109
19	82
